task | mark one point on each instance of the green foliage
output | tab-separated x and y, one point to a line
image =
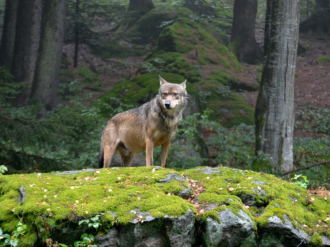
92	222
67	138
3	169
300	180
86	240
309	151
14	238
235	148
87	75
314	120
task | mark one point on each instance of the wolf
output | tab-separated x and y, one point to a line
141	129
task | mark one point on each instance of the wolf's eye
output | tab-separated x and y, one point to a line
165	94
175	94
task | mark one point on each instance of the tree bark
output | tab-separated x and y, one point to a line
26	45
8	33
274	115
242	41
45	84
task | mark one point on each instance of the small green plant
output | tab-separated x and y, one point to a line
300	180
3	169
14	238
92	222
86	240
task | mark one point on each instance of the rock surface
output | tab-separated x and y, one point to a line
156	207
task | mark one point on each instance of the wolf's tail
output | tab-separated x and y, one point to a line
101	158
101	155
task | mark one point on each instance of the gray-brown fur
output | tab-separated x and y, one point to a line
141	129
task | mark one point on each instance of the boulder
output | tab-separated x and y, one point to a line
155	207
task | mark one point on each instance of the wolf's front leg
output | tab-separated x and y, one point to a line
149	152
164	153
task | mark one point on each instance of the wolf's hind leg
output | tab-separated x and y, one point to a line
109	151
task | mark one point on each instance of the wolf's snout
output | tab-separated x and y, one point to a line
168	104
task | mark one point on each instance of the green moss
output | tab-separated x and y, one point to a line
316	240
171	62
195	43
281	197
323	59
87	194
150	25
121	195
228	107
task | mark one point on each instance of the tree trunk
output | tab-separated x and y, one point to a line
274	115
242	41
8	33
50	53
26	45
76	36
140	5
319	20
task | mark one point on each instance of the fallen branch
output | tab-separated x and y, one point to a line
307	167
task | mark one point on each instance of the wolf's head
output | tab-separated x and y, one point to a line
172	95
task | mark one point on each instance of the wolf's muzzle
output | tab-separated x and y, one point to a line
168	104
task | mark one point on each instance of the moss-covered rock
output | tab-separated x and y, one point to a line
227	79
148	28
188	37
171	62
185	47
145	204
228	107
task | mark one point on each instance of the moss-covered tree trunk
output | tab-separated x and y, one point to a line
274	115
319	21
26	46
8	33
50	53
242	41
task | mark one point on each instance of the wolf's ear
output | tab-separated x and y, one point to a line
162	81
183	84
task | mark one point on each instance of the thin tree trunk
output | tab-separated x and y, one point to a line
26	46
274	113
76	38
8	33
45	84
242	41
